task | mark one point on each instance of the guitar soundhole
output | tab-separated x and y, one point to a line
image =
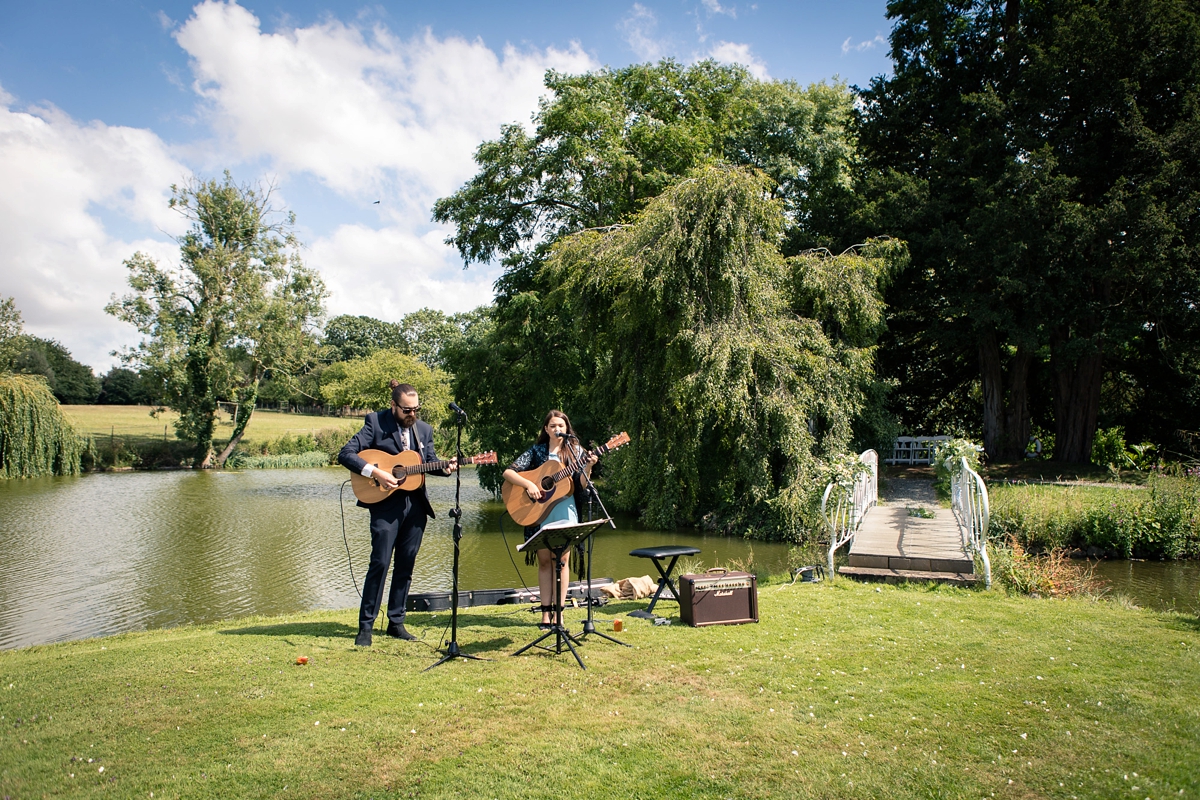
547	484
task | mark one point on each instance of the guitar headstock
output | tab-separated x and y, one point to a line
621	438
485	458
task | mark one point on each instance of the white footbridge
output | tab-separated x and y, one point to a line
905	538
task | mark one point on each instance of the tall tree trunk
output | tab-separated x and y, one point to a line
246	404
1016	420
204	403
204	410
991	375
1005	403
1078	372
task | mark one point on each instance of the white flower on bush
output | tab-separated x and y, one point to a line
844	470
947	458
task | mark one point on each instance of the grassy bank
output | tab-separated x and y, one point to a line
124	436
843	690
1160	520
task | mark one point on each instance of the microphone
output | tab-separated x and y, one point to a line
565	435
454	407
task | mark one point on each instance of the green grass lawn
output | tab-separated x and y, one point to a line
843	690
136	424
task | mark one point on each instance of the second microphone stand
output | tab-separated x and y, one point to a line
452	651
589	624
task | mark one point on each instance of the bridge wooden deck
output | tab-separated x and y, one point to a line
893	545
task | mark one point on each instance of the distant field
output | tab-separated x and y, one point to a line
135	422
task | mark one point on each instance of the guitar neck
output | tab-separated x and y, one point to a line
580	463
432	466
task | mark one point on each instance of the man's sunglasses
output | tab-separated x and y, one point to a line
408	409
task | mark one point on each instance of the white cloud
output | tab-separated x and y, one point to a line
714	7
367	114
390	272
638	26
868	44
62	184
738	53
362	110
370	116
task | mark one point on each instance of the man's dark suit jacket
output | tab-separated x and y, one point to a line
381	431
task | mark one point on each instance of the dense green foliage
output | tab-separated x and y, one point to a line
608	141
124	387
692	314
1041	160
843	690
35	438
71	382
947	461
305	460
11	329
605	145
348	337
363	383
1161	521
242	307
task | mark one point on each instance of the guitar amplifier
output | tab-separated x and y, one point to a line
718	597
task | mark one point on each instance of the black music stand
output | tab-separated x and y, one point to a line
559	539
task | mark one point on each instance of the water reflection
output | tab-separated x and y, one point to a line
101	554
1161	585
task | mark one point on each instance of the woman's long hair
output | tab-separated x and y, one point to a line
543	437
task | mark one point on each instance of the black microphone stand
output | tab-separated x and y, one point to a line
452	651
589	625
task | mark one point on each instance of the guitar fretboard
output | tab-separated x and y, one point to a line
579	464
428	466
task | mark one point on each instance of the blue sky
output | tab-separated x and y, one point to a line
103	105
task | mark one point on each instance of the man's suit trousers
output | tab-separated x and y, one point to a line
397	527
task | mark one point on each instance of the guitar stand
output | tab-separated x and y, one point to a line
559	541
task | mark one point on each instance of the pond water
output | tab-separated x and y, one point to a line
107	553
1161	585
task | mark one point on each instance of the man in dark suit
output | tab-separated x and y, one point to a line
397	523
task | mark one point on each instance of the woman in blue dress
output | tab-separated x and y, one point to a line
556	442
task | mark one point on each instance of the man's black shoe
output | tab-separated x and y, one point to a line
364	636
396	630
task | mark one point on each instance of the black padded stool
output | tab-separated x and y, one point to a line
658	555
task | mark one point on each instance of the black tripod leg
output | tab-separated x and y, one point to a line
568	639
605	636
452	652
535	642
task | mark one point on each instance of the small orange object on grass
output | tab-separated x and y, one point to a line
301	659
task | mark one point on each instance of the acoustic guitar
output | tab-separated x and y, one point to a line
406	467
555	478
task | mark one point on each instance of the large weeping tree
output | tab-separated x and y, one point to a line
736	371
603	145
35	438
241	306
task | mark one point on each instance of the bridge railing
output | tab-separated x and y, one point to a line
844	506
969	499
